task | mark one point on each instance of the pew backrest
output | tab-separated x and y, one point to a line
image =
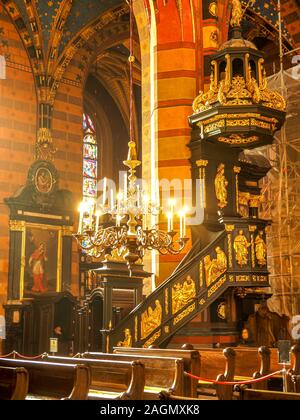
53	380
160	372
263	395
124	378
191	362
13	383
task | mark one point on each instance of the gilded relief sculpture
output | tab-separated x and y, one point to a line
216	267
260	249
221	185
151	319
182	294
241	246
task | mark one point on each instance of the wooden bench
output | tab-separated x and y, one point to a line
13	383
296	383
212	364
191	362
257	394
52	380
110	379
295	369
160	372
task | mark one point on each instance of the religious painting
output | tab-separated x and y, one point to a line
42	255
43	180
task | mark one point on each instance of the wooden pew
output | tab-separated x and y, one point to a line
160	372
13	383
296	383
295	369
213	362
110	379
52	380
191	362
164	395
257	394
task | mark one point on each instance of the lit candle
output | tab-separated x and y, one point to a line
98	214
120	196
181	216
112	200
172	204
144	221
91	215
169	215
138	195
184	224
125	187
157	193
104	190
118	220
81	210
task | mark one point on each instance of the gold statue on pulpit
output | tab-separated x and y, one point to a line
260	250
127	340
241	246
221	185
236	14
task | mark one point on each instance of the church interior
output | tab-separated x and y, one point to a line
150	200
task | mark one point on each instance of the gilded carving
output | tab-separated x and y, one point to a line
201	273
127	340
237	139
230	250
260	250
236	14
152	340
16	226
151	319
216	286
243	279
136	329
184	314
221	185
167	301
221	310
202	302
216	267
182	294
241	246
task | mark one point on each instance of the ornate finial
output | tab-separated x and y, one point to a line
44	149
236	13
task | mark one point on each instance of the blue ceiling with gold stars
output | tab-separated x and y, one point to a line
84	11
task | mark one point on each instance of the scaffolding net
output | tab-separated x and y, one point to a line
281	203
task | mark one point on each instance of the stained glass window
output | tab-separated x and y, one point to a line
90	167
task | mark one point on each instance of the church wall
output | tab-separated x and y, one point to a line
17	131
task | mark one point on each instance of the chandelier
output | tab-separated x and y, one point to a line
132	233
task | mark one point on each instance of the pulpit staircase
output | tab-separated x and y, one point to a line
202	277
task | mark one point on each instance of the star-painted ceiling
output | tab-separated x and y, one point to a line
47	11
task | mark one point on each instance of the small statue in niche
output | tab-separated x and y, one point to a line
241	246
260	249
221	185
127	340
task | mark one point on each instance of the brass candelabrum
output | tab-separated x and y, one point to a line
132	210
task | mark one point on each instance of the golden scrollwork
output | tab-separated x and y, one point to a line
127	340
136	329
152	340
182	294
151	319
260	250
184	314
167	301
201	274
241	246
237	139
230	259
236	13
16	225
202	302
216	286
221	310
221	185
243	279
255	201
214	268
